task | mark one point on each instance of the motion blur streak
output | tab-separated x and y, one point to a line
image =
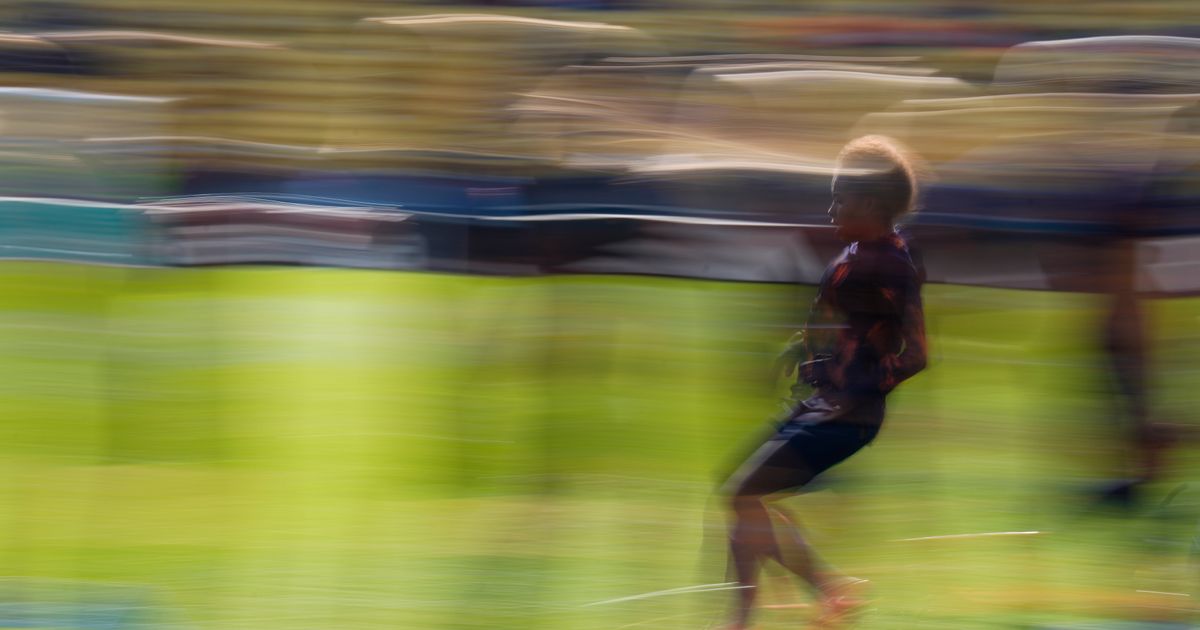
425	314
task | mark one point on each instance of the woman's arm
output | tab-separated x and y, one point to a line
886	344
913	353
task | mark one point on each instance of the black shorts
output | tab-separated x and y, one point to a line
802	447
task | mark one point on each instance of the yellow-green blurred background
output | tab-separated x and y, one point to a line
260	448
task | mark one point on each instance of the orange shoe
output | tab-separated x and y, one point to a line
843	604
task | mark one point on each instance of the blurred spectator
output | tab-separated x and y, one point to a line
52	16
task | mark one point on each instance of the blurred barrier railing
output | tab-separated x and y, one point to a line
209	230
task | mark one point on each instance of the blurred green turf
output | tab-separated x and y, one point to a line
266	448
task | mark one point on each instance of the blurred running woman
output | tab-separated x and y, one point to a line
864	336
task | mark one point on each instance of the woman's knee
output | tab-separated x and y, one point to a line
764	482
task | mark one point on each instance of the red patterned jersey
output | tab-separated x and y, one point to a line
866	331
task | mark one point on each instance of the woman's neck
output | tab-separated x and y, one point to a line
875	233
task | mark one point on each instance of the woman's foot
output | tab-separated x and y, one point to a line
842	600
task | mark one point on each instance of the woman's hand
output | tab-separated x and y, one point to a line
788	362
817	372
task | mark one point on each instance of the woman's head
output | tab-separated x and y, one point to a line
874	185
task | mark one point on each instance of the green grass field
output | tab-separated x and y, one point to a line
266	449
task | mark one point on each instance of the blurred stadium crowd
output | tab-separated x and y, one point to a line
648	137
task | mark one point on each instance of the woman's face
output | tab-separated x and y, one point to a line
853	214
